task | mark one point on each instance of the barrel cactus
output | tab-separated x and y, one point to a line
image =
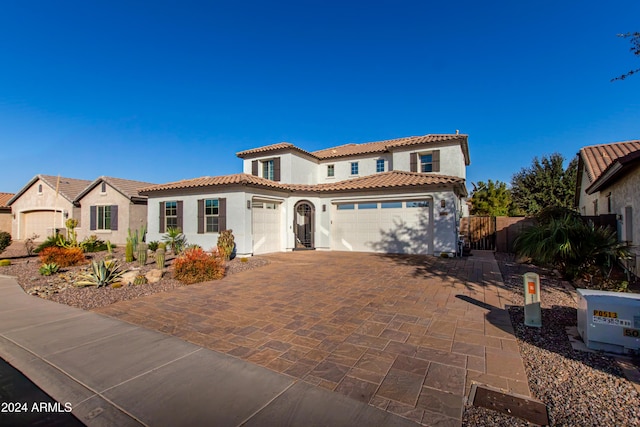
142	254
160	255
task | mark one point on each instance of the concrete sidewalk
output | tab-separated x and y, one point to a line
115	373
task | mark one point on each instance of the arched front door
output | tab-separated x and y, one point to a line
303	225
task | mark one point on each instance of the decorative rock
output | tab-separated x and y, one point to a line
129	276
154	276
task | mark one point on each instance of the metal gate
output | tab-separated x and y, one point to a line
303	225
481	232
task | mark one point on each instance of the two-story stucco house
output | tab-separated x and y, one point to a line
397	196
608	182
106	207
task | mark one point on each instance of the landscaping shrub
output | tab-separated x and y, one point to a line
226	243
5	262
93	244
102	274
49	269
195	265
5	240
575	247
64	257
175	239
51	242
153	246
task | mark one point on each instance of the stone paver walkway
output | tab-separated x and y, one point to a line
407	334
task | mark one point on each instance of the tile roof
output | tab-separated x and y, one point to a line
365	148
383	146
391	179
69	188
127	187
270	148
4	198
597	158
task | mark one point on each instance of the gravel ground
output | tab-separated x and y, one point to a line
58	288
579	388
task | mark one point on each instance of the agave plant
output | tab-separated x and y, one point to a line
102	274
49	269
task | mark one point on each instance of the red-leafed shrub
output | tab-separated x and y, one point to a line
64	257
195	265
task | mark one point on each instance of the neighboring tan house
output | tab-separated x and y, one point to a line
110	207
106	207
43	205
5	212
608	182
403	195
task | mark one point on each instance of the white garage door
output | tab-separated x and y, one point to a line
38	222
389	226
267	220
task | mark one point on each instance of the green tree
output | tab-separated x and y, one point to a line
546	183
491	199
634	39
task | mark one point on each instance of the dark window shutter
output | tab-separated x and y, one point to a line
179	209
222	214
276	169
435	159
414	162
200	216
161	228
93	213
114	217
254	168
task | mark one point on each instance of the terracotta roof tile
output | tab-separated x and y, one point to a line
383	146
127	187
364	148
4	198
597	158
392	179
270	148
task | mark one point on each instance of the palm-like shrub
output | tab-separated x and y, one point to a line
574	246
101	274
175	239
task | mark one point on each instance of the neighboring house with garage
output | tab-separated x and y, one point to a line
106	207
43	205
607	183
110	207
403	195
5	212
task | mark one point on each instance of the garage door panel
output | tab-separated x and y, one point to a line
391	229
266	223
37	222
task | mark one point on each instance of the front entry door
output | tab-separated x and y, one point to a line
303	226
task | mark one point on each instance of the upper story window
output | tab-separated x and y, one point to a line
103	187
354	168
268	169
211	212
39	188
331	171
171	214
426	163
380	165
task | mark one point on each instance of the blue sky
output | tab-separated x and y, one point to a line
162	91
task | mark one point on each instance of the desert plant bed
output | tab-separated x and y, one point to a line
60	287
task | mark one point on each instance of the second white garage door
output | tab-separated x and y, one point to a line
266	220
390	226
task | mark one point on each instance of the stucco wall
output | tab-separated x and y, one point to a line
31	200
624	192
342	167
585	201
294	168
5	222
451	159
110	197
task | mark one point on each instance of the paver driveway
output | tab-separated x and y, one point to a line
408	334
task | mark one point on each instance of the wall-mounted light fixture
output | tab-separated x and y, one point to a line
324	208
443	204
66	214
248	204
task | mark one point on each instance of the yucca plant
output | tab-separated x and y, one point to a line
101	274
49	269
